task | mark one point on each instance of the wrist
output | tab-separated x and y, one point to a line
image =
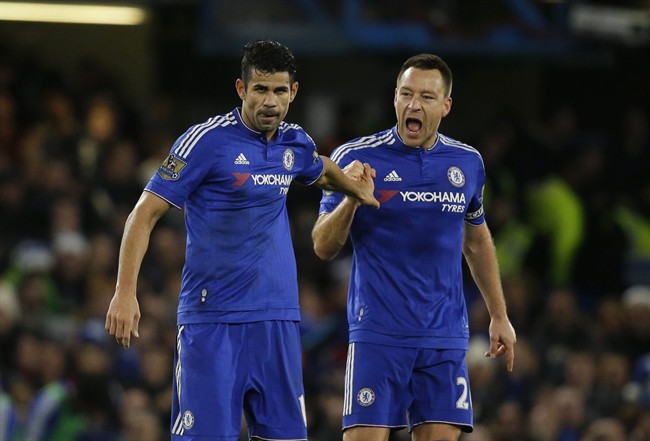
352	201
500	314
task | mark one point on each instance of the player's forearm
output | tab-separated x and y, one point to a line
489	284
482	262
332	229
135	241
334	179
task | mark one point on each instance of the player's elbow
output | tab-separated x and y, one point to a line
324	248
326	242
467	249
323	251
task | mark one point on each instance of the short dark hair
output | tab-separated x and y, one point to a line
429	62
268	57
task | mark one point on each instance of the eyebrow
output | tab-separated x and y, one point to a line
264	86
422	92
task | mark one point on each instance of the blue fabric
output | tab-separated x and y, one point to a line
221	369
406	286
396	387
240	264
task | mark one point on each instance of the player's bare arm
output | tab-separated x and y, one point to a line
480	254
331	230
361	189
123	316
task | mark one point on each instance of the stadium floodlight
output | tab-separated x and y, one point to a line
72	13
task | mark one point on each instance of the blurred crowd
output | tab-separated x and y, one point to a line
568	204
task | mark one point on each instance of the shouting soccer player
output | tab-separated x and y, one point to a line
408	326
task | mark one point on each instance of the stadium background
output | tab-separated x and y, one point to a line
554	94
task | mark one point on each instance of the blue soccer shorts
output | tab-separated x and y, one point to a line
221	369
394	387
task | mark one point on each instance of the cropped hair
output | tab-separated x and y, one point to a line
429	62
268	57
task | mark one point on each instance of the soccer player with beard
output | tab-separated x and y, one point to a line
238	343
408	325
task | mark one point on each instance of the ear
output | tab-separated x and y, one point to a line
395	97
446	108
241	89
294	91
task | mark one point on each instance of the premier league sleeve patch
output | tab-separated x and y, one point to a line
171	168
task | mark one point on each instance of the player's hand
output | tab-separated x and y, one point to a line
364	175
502	341
123	318
354	170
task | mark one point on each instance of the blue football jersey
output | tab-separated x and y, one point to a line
233	184
406	285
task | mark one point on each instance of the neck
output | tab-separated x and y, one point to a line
435	139
271	135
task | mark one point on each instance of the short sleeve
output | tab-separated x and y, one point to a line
182	171
475	214
311	165
330	199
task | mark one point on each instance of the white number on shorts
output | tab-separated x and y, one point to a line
462	403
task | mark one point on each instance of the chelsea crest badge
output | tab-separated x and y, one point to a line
288	159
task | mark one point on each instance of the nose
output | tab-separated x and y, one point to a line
269	100
414	104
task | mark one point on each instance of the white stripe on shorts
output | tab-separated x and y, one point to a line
178	427
349	376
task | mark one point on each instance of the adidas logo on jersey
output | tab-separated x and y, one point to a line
392	177
241	159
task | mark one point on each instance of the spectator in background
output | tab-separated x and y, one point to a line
561	329
636	305
605	429
641	431
557	215
568	405
13	223
612	375
510	422
10	133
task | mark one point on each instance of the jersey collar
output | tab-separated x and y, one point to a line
416	150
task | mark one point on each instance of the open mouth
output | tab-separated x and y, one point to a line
413	125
